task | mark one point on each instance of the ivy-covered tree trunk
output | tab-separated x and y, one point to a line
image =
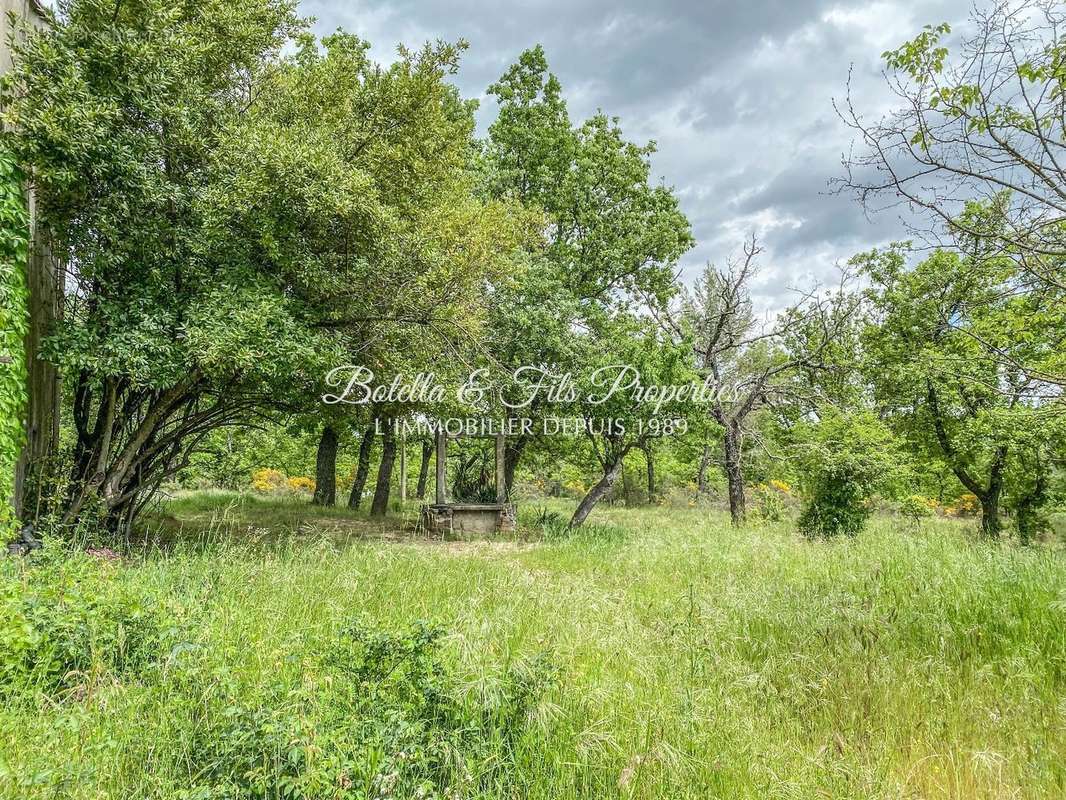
14	324
43	379
326	469
362	469
423	469
384	485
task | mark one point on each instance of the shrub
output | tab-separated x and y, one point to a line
966	506
769	507
916	508
301	485
846	459
66	617
267	480
385	718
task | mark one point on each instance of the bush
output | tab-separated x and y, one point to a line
384	718
966	506
769	504
916	508
268	480
65	618
846	459
301	485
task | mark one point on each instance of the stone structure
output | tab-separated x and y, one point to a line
460	520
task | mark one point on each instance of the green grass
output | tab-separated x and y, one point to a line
691	660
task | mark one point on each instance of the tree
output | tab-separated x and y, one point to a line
326	468
748	366
380	505
625	356
423	469
605	235
234	219
366	444
991	422
984	128
845	459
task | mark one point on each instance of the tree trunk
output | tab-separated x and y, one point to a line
990	525
122	457
596	493
627	489
734	473
1028	505
649	458
990	515
989	498
423	470
513	454
355	498
380	506
42	378
326	469
701	475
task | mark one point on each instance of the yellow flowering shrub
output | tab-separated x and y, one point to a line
267	480
301	484
966	506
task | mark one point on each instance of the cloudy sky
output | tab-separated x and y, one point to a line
737	94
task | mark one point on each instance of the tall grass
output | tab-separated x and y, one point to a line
690	660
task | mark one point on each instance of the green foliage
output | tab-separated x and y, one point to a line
915	507
228	458
550	525
992	420
922	55
383	717
244	207
846	459
14	323
607	238
607	228
368	710
787	638
68	620
769	506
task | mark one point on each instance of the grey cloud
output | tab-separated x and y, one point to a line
738	96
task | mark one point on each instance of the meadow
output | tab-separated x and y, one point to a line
260	648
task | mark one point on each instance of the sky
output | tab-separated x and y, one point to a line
737	95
